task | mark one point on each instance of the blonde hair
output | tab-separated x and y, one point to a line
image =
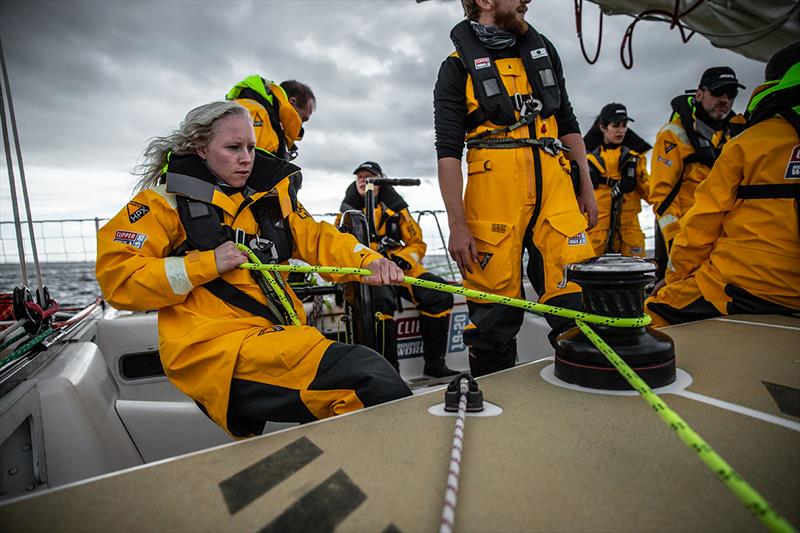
194	132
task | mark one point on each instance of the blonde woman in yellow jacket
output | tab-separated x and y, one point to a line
618	168
225	338
738	250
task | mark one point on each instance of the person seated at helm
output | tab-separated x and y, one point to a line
738	249
400	239
278	112
618	169
227	339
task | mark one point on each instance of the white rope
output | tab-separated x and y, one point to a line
451	494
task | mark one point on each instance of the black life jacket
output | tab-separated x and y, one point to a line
193	184
388	198
495	103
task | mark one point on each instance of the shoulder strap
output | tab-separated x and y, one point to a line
702	154
495	103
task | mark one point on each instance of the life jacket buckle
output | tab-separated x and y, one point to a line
239	236
264	249
553	146
526	104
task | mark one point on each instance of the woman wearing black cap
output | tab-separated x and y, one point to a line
617	166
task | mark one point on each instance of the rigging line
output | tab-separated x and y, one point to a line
13	189
451	493
23	182
674	18
579	29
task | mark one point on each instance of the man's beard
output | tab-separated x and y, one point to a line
509	22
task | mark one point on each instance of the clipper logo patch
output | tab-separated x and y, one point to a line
482	62
577	240
498	228
668	147
667	163
131	238
136	211
793	168
258	121
539	52
483	259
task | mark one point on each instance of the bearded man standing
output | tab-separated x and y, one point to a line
503	92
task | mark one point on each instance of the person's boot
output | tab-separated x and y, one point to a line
482	361
434	341
386	341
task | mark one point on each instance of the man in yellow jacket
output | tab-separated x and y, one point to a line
618	169
686	148
227	338
399	238
278	111
738	249
503	91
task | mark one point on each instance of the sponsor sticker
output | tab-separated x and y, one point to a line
667	163
483	259
136	211
482	62
577	240
458	322
409	338
793	168
668	146
539	52
131	238
499	228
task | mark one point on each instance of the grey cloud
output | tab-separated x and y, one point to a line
94	80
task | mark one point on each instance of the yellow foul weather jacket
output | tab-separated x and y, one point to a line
735	249
205	341
677	168
276	123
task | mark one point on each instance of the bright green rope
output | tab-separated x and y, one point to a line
754	502
469	293
25	348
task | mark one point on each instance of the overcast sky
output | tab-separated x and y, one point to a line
92	81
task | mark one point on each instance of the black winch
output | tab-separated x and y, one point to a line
614	286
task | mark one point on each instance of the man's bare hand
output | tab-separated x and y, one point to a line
588	205
462	248
228	257
384	272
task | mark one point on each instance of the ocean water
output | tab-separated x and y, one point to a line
70	284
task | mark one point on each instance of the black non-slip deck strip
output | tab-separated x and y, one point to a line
787	398
242	488
321	509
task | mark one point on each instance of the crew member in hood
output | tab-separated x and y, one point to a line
228	339
738	249
278	112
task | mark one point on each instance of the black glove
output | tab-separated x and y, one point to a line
402	263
